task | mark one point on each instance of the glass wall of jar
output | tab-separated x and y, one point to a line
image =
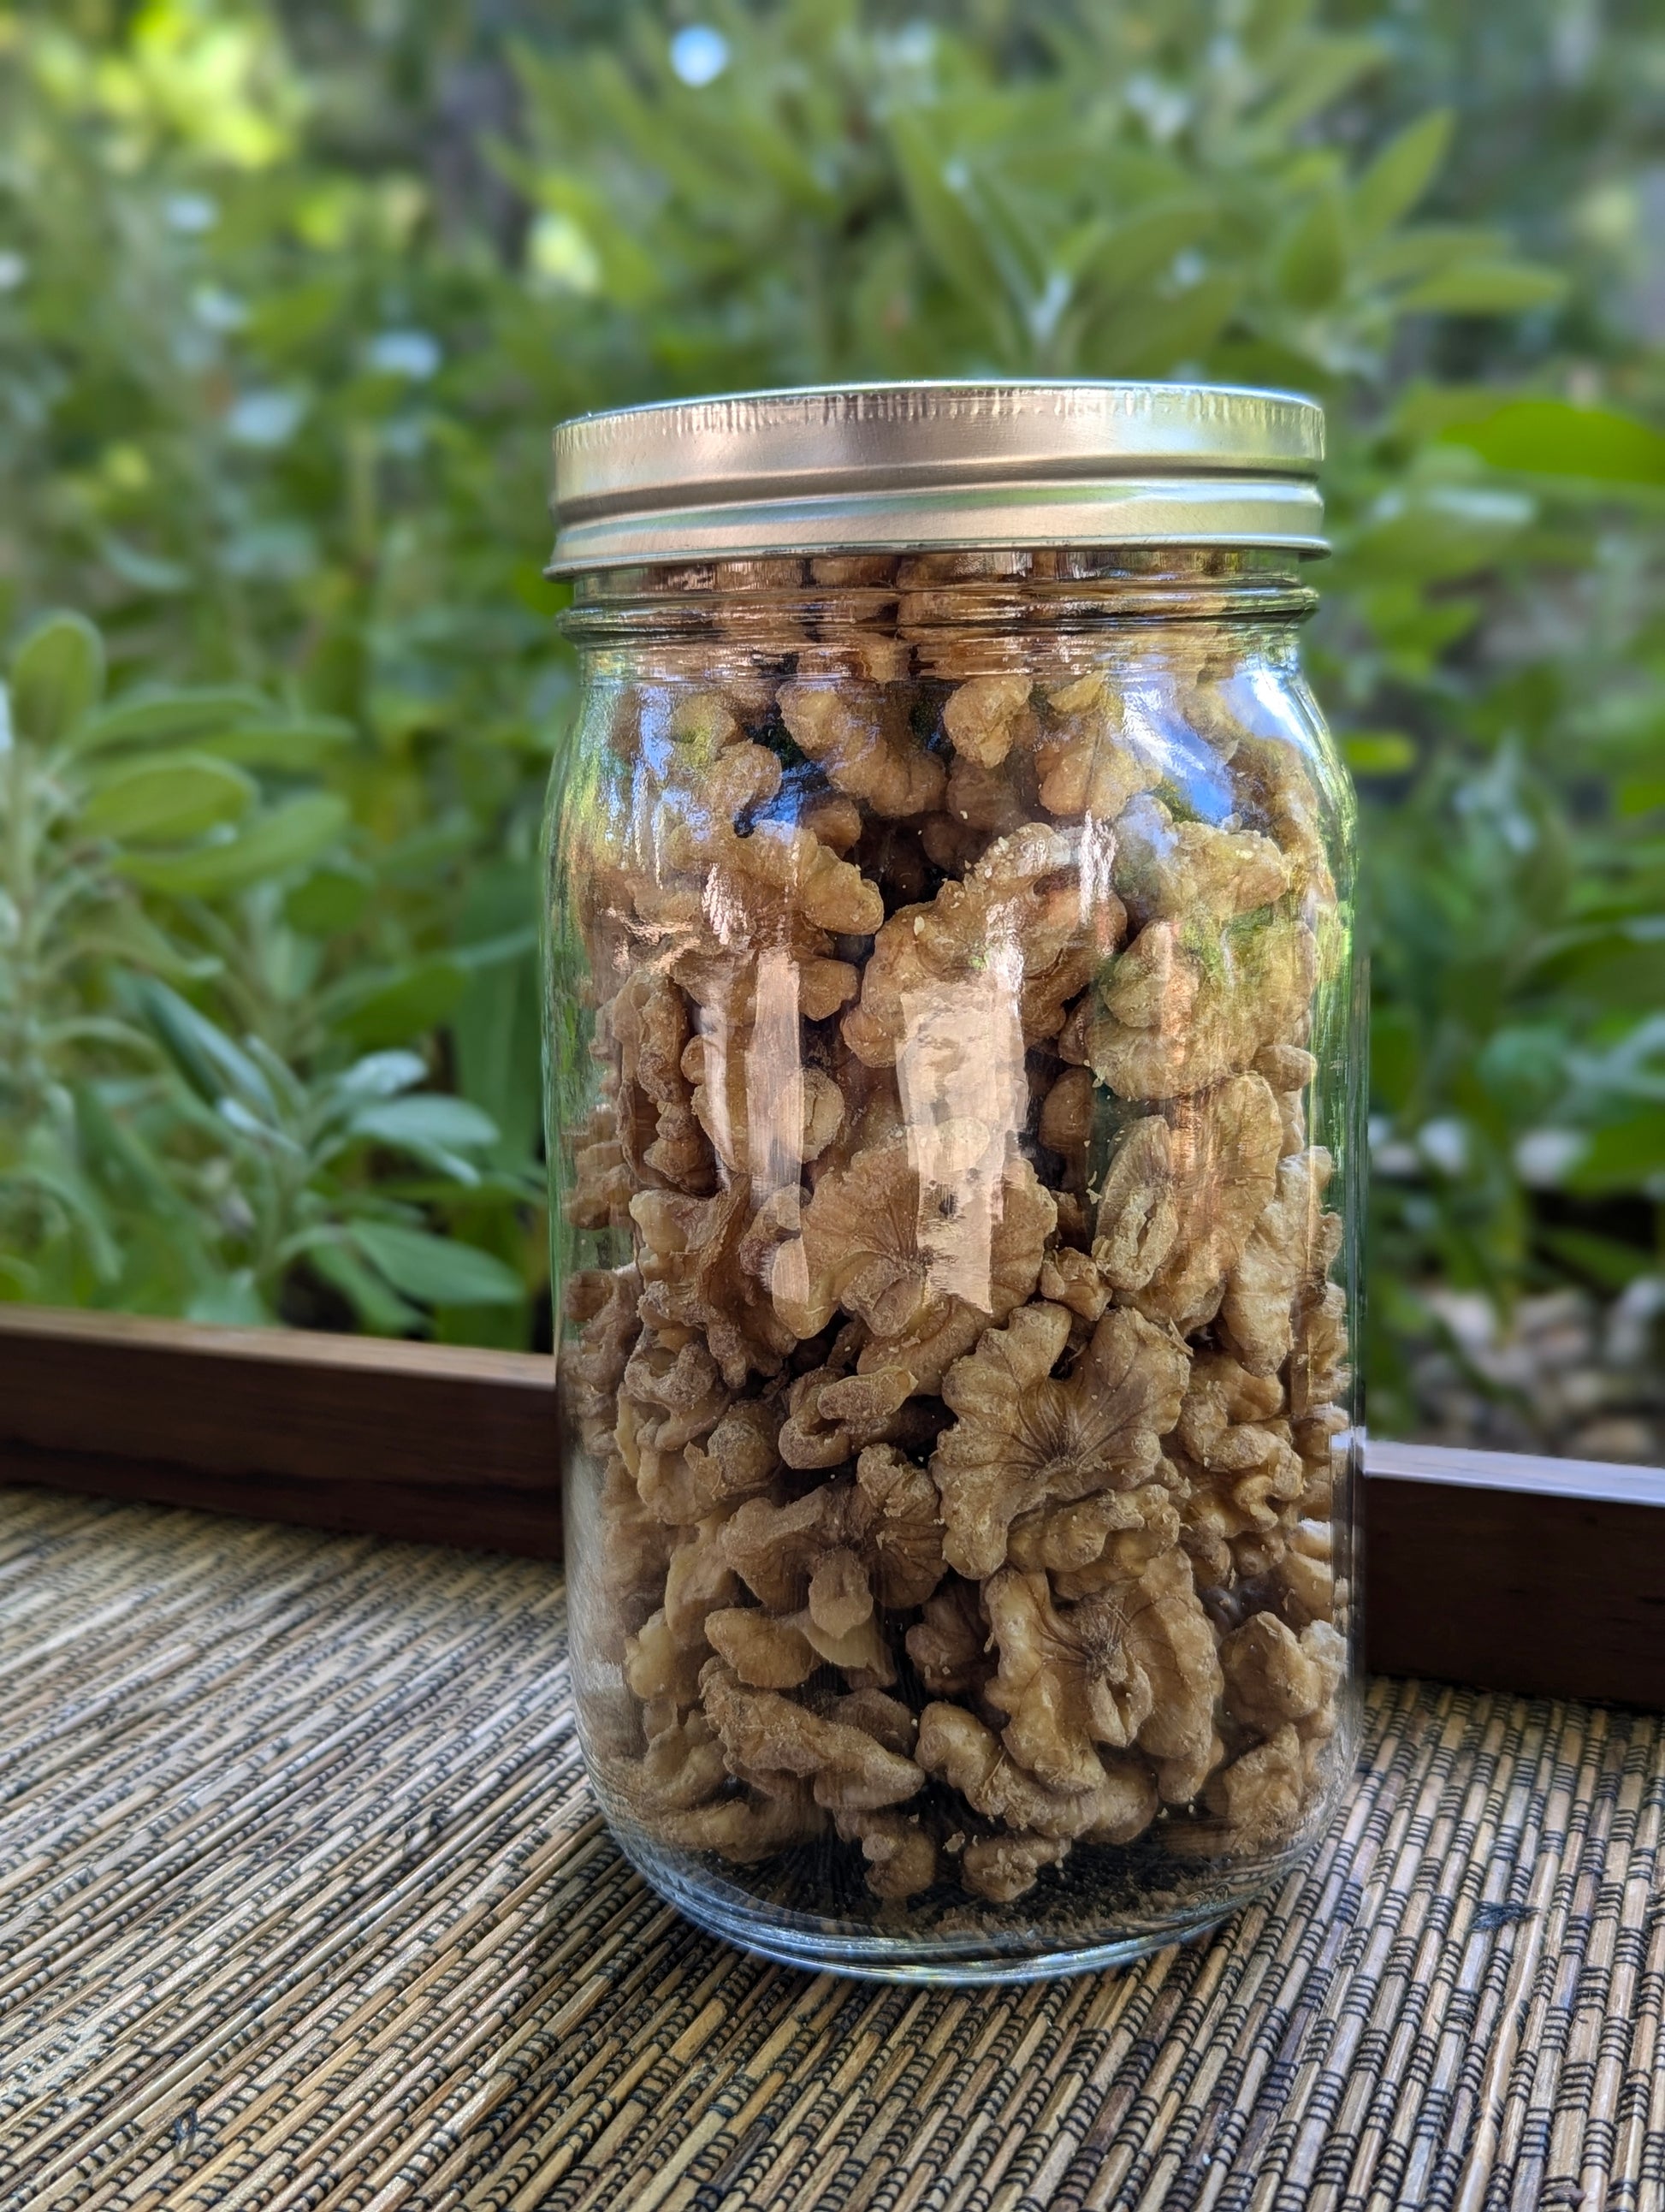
954	1058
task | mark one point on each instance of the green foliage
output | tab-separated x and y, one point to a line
288	298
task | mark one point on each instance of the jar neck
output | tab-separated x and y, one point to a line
933	598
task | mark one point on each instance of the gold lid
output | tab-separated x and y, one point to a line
902	467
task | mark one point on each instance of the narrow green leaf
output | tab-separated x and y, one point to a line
1400	173
168	717
210	1063
378	1308
166	797
1484	288
435	1270
392	1006
1379	752
57	675
273	845
432	1120
1552	437
1311	261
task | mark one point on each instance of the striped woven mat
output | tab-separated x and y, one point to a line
303	1904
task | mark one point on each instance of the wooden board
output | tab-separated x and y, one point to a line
1541	1576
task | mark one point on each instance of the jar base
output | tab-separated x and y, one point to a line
974	1958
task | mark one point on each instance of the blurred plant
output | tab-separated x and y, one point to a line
146	1158
277	369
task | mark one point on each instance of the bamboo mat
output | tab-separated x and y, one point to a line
302	1904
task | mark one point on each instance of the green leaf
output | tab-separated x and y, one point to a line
432	1120
57	675
391	1006
380	1075
1311	263
1157	340
329	899
1400	173
376	1306
1552	437
1326	67
1484	288
954	238
210	1063
273	845
1626	1155
233	1302
1379	752
293	745
166	717
1606	1262
171	796
435	1270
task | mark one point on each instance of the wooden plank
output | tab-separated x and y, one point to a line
1545	1575
1536	1575
440	1443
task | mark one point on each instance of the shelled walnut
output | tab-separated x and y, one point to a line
956	1346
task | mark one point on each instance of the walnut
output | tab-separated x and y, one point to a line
1024	1438
1072	1279
949	1646
693	1264
1272	780
833	1415
1259	1796
1132	1664
663	1672
845	1547
600	1185
1288	1069
901	1851
683	1767
1089	762
1245	1475
647	1022
764	1733
1318	1372
1005	1868
957	1748
1185	871
1274	1677
985	717
983	800
1137	1215
1212	1179
1110	1537
861	737
1067	1112
752	1826
890	1250
738	1458
604	1301
1018	912
1189	1002
1288	1254
751	1093
636	1547
1305	1577
1229	1425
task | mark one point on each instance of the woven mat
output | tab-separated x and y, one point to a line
303	1904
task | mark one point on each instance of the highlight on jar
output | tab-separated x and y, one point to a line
954	1054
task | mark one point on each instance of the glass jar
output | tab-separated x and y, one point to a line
956	1036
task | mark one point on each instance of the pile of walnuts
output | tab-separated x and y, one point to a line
963	1418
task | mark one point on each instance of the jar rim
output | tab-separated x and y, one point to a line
927	465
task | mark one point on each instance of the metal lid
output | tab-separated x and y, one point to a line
912	466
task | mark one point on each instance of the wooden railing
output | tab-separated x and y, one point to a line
1536	1575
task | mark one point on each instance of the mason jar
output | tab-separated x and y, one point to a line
954	1049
